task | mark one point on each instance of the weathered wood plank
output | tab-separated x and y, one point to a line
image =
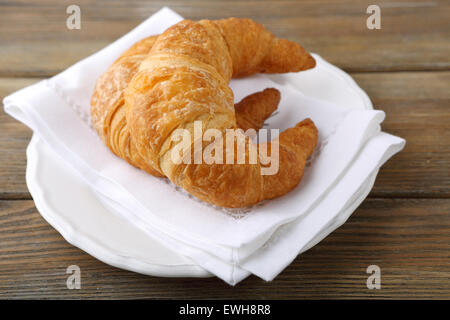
409	239
413	36
14	138
417	108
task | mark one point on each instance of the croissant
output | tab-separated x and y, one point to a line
180	78
108	113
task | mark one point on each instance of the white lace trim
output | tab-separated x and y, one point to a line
79	110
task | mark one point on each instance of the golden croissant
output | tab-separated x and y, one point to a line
172	82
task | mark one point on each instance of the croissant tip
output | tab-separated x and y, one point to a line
306	123
310	62
274	92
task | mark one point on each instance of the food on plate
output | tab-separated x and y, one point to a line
178	82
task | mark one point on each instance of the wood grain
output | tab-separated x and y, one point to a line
413	36
417	109
417	106
14	139
408	239
404	225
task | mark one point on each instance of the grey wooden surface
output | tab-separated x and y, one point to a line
404	225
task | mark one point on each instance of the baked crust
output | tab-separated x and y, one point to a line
168	82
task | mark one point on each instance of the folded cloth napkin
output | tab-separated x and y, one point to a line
229	243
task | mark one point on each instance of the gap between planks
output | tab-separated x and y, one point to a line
446	68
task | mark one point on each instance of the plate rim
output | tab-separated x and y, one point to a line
84	242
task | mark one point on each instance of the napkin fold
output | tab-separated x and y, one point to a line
231	244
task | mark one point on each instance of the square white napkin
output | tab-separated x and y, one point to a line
351	149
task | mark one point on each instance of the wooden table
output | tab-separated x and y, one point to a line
403	226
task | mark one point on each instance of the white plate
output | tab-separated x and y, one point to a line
72	208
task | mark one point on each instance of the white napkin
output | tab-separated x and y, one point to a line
228	244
